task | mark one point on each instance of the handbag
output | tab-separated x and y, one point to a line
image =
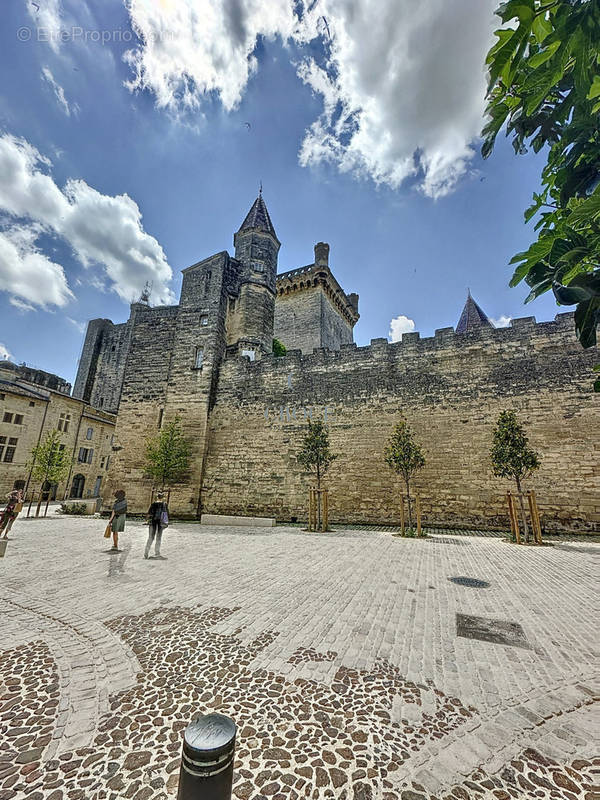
108	531
18	508
164	519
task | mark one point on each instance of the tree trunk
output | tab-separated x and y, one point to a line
408	503
523	514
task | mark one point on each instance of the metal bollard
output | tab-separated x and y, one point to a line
207	759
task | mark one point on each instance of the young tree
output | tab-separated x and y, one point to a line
315	454
49	462
168	455
544	90
279	349
512	457
404	456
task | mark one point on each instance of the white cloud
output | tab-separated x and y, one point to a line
21	304
59	93
4	354
80	326
190	48
400	325
402	83
46	15
102	230
28	274
502	322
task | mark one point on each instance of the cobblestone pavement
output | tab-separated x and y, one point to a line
357	665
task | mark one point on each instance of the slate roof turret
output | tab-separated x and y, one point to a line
258	218
472	317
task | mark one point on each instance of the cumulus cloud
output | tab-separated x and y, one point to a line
103	231
4	354
59	93
402	83
502	322
28	274
191	48
400	325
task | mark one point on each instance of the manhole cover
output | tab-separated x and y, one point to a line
474	583
498	631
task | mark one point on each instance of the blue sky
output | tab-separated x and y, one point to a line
378	157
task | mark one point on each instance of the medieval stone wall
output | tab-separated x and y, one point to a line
450	387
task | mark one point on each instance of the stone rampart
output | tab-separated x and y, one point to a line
451	387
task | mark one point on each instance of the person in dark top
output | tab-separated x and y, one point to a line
117	518
158	519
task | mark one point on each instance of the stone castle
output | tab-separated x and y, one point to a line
209	360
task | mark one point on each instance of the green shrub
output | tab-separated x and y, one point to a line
75	509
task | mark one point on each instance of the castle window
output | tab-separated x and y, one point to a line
63	422
85	455
7	452
18	419
31	404
204	319
232	303
161	411
89	433
249	354
8	417
199	358
3	397
258	266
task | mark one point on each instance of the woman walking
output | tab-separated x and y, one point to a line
117	518
158	519
11	512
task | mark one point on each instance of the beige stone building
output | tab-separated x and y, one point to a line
34	402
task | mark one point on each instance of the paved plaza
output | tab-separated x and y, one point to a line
356	664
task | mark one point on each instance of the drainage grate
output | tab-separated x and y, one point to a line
474	583
498	631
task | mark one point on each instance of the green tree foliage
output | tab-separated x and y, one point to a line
168	455
404	456
49	463
315	453
511	455
544	85
279	349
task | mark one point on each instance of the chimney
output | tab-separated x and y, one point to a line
322	254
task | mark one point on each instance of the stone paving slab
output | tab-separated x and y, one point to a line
337	654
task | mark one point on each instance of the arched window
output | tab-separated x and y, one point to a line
77	486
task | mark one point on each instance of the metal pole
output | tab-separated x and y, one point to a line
206	771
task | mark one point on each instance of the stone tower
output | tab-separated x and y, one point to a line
251	314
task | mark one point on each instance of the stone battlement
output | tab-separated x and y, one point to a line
521	329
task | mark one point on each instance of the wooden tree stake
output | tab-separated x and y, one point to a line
325	518
514	520
418	513
535	516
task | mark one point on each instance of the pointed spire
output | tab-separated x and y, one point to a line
472	317
258	217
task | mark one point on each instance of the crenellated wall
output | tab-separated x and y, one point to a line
450	387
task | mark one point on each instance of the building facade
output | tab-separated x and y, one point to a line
208	361
33	403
